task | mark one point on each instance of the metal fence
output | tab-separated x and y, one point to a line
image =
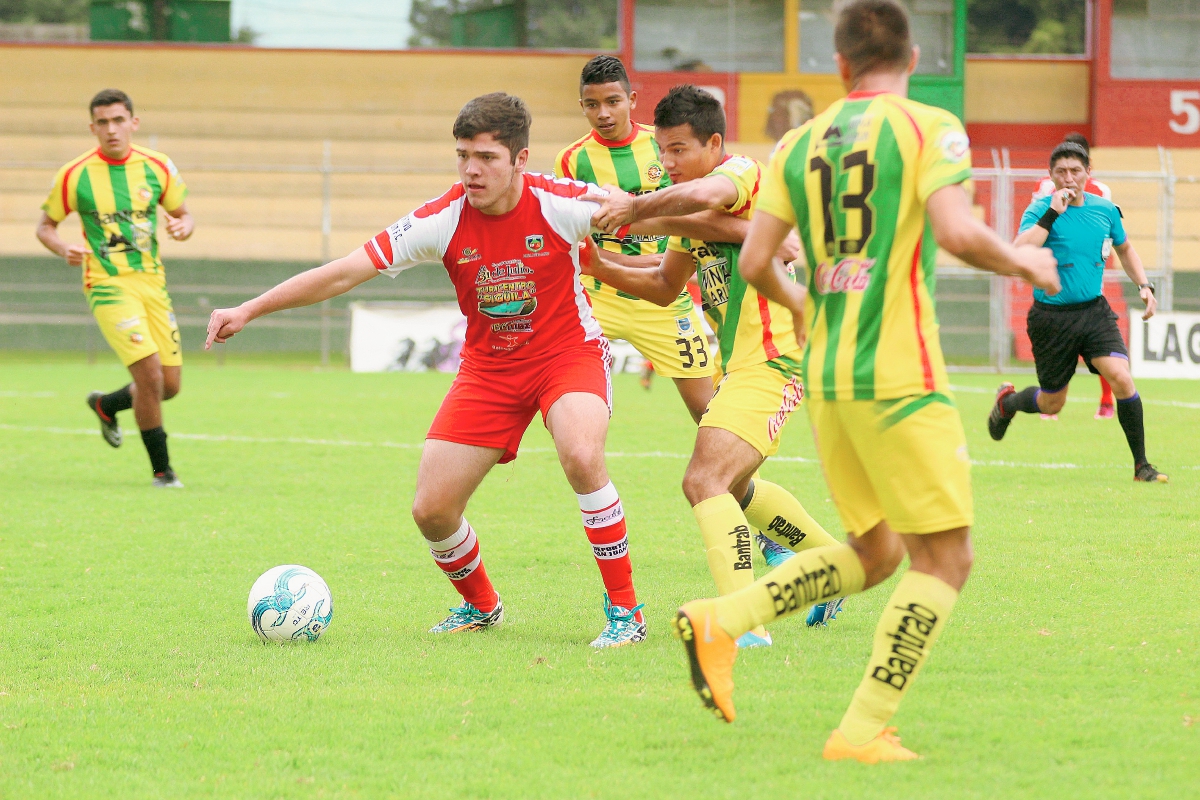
976	310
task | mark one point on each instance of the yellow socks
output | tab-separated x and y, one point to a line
727	542
774	511
914	616
807	578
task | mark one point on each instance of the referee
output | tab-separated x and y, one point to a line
1078	321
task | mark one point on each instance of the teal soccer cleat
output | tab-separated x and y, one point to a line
773	552
824	613
469	618
623	627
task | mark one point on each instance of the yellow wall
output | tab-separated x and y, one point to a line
1026	91
757	90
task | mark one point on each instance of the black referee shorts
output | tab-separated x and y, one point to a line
1060	334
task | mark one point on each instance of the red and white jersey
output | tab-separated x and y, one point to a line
1046	188
516	274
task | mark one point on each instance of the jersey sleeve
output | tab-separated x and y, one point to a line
176	191
562	164
678	244
746	174
1117	230
774	196
945	155
1033	213
58	204
409	241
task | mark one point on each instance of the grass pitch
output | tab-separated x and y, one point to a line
128	669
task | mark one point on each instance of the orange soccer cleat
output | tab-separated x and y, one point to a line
884	747
711	653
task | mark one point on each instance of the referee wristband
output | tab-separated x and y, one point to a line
1047	220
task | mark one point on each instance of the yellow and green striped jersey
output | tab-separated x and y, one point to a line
631	163
855	180
117	201
750	328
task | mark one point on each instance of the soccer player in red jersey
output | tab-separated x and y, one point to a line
510	243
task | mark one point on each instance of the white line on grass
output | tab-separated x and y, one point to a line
1086	399
209	437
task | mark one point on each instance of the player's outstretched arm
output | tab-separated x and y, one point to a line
762	269
958	231
1131	262
335	278
709	226
660	285
619	208
47	234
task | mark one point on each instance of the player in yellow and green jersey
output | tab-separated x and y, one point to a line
621	152
116	189
759	357
874	185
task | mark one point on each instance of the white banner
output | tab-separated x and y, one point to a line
1165	346
416	337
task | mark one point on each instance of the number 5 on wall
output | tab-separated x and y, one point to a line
1184	102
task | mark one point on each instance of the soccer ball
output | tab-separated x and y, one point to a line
288	603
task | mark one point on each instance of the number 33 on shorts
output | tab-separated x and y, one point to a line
693	352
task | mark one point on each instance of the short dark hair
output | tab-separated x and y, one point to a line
873	36
108	97
604	69
1079	139
505	116
1071	150
693	106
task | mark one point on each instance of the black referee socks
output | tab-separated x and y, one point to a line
1129	413
119	400
155	440
1024	400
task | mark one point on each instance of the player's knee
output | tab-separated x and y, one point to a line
171	388
1052	403
880	557
434	518
698	485
583	466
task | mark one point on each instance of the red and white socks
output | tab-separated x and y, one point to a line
458	557
604	524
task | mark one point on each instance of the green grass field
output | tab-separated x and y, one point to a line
128	669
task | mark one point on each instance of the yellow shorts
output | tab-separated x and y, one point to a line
135	315
754	403
672	338
904	461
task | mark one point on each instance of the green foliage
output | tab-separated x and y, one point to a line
128	668
550	23
54	11
1026	26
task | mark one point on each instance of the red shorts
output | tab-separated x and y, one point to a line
492	407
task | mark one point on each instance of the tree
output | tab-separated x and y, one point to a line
29	11
1026	26
584	24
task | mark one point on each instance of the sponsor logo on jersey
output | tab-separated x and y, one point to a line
502	271
793	393
909	642
847	275
144	193
955	145
470	254
126	324
135	337
684	324
534	243
654	172
513	326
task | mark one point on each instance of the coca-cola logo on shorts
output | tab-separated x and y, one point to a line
847	275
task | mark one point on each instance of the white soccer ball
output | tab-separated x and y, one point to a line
289	603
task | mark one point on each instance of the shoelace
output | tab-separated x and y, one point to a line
611	612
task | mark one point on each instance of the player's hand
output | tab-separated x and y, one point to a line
77	254
589	257
1060	199
1150	302
616	208
224	323
180	228
789	251
1038	266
